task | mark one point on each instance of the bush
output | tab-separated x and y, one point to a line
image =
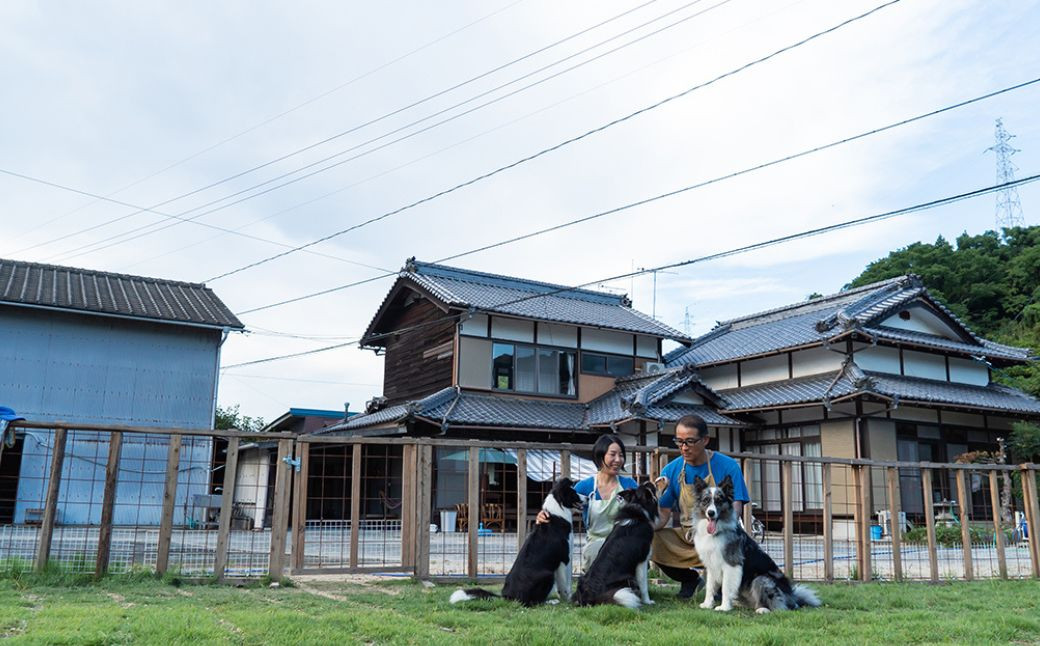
948	536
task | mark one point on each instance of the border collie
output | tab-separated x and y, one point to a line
621	564
735	562
544	558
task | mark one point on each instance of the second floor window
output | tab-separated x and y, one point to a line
533	369
607	365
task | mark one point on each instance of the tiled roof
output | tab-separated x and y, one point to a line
483	292
98	292
851	380
826	319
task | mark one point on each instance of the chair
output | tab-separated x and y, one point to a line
493	513
462	517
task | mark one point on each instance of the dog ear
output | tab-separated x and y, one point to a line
699	484
727	486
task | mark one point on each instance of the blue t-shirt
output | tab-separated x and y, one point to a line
721	466
587	487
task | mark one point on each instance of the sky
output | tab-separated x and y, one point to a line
188	140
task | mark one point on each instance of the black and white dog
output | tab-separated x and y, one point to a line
734	561
544	558
621	564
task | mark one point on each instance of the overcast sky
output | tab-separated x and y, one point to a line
146	102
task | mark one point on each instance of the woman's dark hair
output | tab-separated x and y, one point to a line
602	445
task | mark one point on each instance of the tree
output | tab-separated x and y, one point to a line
229	417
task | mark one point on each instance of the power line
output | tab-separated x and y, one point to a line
64	187
566	142
148	229
923	206
672	193
388	171
274	118
326	140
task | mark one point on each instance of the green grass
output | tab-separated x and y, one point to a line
35	610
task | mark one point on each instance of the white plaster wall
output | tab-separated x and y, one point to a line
512	329
474	363
878	359
720	377
565	336
815	361
646	346
606	341
969	371
475	326
921	320
924	364
760	371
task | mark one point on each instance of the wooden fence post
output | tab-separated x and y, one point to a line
962	503
828	524
565	464
864	505
108	503
50	505
424	506
998	531
929	523
473	503
280	514
895	528
299	541
788	499
521	497
408	492
173	461
227	503
1032	508
355	502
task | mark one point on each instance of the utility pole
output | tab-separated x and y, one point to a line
1009	207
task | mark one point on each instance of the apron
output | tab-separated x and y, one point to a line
601	522
673	546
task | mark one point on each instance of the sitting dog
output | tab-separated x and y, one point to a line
544	558
622	562
735	562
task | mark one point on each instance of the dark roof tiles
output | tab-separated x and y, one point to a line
98	292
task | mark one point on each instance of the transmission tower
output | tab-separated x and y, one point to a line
1009	207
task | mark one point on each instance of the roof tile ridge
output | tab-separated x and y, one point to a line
99	272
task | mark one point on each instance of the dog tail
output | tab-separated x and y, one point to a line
471	594
806	596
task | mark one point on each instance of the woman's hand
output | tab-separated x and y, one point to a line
542	517
661	482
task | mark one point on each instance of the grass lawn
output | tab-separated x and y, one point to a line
148	611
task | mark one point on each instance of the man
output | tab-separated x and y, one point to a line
673	549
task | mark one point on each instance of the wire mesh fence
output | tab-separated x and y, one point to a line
233	505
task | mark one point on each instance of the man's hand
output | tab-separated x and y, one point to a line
664	515
542	517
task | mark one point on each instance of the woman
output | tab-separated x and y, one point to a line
603	502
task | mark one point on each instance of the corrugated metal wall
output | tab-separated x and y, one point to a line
76	368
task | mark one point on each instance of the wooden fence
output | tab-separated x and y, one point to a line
820	514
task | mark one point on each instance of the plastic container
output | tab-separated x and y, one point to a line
875	532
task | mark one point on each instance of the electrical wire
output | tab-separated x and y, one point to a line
566	142
672	193
674	265
319	143
148	229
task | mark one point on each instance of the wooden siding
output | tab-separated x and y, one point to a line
418	362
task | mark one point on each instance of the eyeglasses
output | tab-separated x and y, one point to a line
689	443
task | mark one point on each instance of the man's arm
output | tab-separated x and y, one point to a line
664	515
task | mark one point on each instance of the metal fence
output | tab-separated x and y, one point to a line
229	504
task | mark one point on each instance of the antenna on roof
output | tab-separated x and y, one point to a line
1009	207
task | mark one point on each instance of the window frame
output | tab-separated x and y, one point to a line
536	347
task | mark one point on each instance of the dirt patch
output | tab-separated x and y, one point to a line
120	599
313	584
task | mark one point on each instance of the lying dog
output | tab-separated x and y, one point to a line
623	560
735	562
544	558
